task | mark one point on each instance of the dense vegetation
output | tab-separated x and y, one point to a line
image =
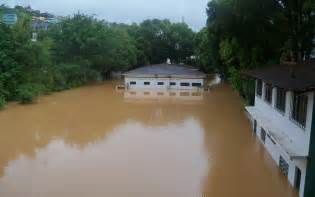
240	34
245	34
81	49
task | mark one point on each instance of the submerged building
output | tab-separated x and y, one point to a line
283	120
165	76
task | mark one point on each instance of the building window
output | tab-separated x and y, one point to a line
196	84
160	83
147	83
184	84
133	83
271	139
255	126
268	93
299	108
284	166
263	135
259	87
172	83
280	102
297	182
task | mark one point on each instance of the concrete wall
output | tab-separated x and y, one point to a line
275	152
154	82
298	135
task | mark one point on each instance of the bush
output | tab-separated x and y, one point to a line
235	78
72	75
2	102
26	93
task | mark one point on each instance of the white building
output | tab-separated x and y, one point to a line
165	76
283	120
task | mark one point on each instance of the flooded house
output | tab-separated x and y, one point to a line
284	122
165	76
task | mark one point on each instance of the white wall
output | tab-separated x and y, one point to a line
299	136
154	81
275	152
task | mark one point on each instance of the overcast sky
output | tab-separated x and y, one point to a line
126	11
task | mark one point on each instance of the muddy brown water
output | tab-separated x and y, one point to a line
95	141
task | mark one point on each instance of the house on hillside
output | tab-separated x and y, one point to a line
165	76
283	119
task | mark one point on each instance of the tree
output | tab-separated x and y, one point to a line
249	34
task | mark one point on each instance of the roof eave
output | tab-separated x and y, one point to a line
166	76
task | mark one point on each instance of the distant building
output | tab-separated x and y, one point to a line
42	23
165	76
9	19
52	20
283	119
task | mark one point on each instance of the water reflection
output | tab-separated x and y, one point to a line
178	95
116	162
94	141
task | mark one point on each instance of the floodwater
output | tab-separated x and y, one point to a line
96	142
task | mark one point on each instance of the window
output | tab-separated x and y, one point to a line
172	94
133	83
196	84
184	84
160	93
160	83
255	126
146	93
263	135
271	139
284	166
299	108
172	83
268	93
259	87
297	182
147	83
280	102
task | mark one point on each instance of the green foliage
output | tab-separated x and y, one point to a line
246	34
72	75
81	49
157	40
2	102
3	92
26	93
